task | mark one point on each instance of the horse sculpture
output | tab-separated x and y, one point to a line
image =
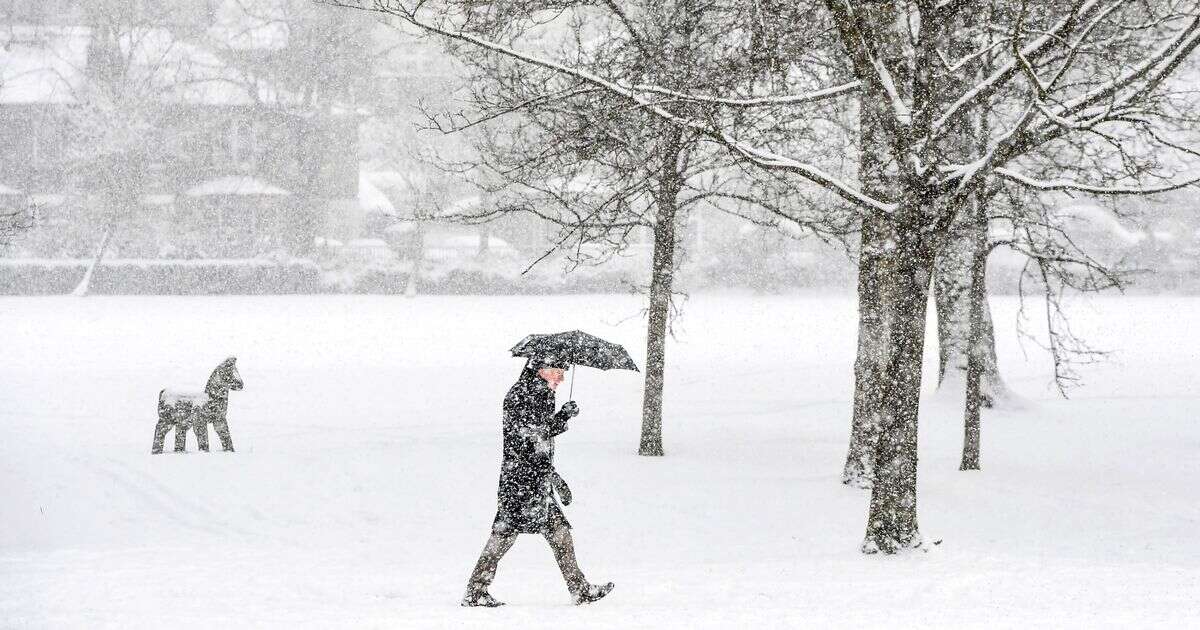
189	409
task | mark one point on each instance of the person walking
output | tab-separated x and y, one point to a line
525	498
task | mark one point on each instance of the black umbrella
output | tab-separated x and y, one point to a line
577	348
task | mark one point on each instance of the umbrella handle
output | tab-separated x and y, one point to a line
571	392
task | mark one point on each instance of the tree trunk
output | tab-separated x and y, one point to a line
656	336
978	348
85	284
871	357
970	452
661	277
963	251
418	260
892	522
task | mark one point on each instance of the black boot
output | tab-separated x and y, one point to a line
591	593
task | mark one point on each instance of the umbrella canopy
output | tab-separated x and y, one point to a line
577	348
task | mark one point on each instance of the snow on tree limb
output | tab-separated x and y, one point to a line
1167	58
815	96
769	160
1075	186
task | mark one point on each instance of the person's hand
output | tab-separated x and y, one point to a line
569	410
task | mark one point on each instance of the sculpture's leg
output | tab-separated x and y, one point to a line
221	426
200	427
181	437
160	434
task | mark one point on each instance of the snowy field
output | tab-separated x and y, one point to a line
368	449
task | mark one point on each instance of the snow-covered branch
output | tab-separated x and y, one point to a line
1149	73
815	96
774	161
1076	186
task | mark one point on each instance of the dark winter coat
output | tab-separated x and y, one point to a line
525	498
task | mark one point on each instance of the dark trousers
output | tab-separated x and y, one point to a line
160	433
221	426
499	543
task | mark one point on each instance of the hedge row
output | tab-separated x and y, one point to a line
254	276
170	277
475	282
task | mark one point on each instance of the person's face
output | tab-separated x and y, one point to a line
553	376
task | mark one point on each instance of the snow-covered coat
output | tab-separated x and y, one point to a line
525	500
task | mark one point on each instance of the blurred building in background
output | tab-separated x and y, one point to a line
162	114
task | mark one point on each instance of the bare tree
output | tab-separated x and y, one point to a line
1032	225
118	116
416	185
585	163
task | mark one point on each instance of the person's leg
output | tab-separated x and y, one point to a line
564	552
497	545
221	426
200	427
160	434
563	546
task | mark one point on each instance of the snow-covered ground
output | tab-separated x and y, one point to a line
368	449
